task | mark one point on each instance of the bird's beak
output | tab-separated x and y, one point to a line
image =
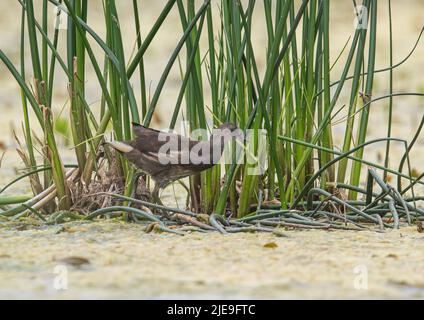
120	146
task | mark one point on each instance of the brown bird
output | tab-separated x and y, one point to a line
167	157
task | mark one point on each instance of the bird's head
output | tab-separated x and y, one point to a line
120	146
230	129
229	126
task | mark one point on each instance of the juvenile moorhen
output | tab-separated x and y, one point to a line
181	157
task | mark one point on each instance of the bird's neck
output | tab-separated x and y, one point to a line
219	141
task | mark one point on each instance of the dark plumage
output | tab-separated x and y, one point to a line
167	157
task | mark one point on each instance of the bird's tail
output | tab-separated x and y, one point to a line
120	146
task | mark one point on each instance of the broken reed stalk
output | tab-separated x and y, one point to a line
44	197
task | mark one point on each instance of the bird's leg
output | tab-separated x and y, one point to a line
136	177
156	199
134	182
155	194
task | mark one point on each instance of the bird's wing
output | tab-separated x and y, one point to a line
165	158
150	140
141	131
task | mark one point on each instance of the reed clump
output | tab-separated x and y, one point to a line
308	183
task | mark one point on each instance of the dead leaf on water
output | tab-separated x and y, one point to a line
74	261
74	229
203	218
270	245
150	227
415	173
272	202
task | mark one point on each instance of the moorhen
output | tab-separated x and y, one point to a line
167	157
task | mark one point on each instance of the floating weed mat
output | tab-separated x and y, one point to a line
384	209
